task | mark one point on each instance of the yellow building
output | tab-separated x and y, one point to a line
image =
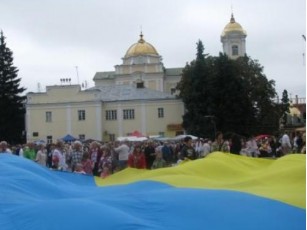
138	95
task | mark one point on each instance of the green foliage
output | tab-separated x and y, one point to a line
285	102
227	95
11	101
285	106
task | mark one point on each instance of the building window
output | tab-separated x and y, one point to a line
35	134
81	115
173	91
111	115
82	137
235	50
128	114
160	112
49	139
48	116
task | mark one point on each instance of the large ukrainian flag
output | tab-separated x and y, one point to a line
222	191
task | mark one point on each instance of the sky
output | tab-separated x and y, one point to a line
54	39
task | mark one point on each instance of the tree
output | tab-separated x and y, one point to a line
192	88
284	106
11	100
227	95
261	94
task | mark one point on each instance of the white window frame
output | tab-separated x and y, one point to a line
81	115
160	112
48	116
128	114
111	115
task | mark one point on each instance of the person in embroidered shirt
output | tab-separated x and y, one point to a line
136	159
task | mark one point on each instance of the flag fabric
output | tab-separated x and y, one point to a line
221	191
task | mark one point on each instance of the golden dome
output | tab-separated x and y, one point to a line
140	48
233	26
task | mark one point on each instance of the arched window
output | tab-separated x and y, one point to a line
235	50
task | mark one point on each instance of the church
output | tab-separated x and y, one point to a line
139	95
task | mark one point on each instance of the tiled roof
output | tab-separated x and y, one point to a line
104	75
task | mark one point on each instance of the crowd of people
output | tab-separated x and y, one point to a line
103	159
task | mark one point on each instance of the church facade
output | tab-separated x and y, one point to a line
140	94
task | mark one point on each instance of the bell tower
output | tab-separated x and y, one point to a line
233	39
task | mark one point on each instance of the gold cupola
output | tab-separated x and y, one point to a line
141	48
233	26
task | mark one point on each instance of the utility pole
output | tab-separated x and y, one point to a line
77	74
304	37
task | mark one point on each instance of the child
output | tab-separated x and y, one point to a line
105	171
159	162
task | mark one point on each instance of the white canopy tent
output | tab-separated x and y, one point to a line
180	137
132	138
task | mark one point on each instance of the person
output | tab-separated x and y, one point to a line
252	147
58	158
106	171
123	154
206	148
105	161
273	146
95	155
236	144
219	144
29	152
17	150
159	162
67	152
87	163
187	152
265	148
285	144
136	159
50	148
303	150
149	152
76	155
4	147
199	147
297	143
167	153
20	152
41	155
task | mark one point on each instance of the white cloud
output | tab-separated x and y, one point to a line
49	38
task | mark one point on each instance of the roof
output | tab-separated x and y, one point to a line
294	111
108	75
104	75
173	71
130	92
